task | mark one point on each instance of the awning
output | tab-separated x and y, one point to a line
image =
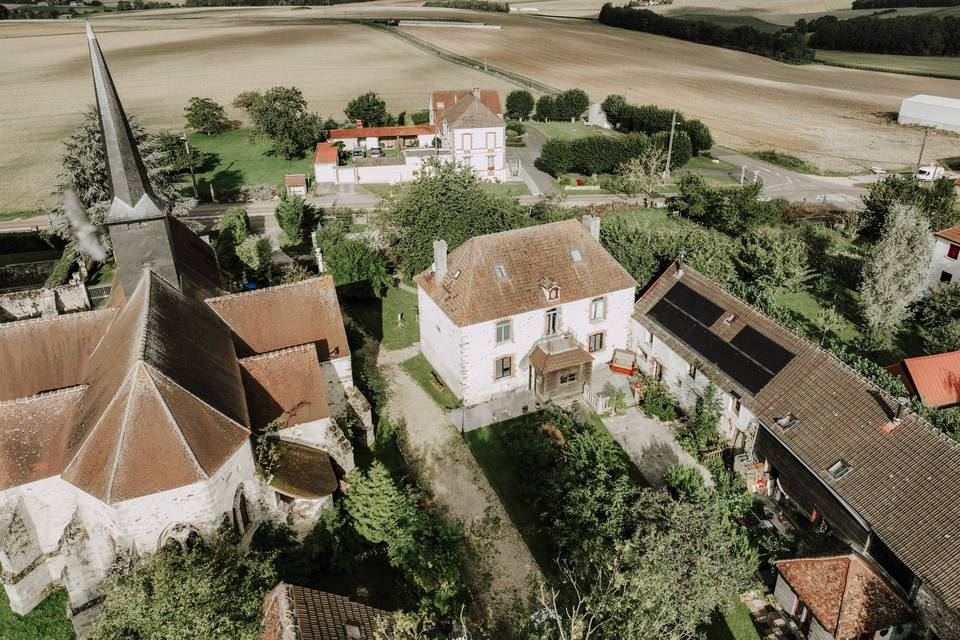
548	362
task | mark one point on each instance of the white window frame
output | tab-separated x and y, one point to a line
491	139
601	304
501	324
498	370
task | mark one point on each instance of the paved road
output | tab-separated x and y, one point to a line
528	155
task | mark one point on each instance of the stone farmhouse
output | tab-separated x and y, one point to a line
127	428
818	438
465	127
945	264
529	309
291	612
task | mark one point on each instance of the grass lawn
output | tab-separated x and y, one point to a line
231	160
48	621
29	256
649	218
937	66
703	162
21	214
790	162
378	316
569	130
420	370
733	625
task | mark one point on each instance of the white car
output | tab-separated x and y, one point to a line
929	173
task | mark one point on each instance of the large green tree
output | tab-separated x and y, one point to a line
207	593
895	273
938	203
570	104
374	503
369	108
205	115
938	318
292	214
773	259
446	202
519	104
280	114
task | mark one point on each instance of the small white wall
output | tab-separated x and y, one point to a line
677	379
440	342
940	263
325	172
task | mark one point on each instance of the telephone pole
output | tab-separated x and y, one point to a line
673	125
923	143
193	177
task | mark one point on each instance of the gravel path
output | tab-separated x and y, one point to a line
458	483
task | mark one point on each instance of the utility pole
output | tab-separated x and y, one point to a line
193	177
920	158
673	125
743	174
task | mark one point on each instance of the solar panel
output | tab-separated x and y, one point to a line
762	349
694	304
752	367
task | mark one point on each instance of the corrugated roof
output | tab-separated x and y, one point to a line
903	482
296	613
846	594
472	292
935	378
286	383
952	234
286	316
470	112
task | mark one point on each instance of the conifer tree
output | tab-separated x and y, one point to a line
374	503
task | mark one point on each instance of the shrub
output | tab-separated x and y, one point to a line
774	259
473	5
354	262
699	134
556	157
699	432
254	255
292	213
685	483
64	267
519	104
545	108
516	127
938	318
657	401
420	117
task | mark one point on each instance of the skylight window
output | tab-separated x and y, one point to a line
576	255
500	271
840	468
456	275
787	421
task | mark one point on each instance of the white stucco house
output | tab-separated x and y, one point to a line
465	126
945	264
536	308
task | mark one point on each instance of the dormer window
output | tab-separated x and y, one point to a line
839	469
499	271
456	275
576	255
553	293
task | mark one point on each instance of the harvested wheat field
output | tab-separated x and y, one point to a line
829	116
159	64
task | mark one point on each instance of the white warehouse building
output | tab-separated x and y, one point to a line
931	111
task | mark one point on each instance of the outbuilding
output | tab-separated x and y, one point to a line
931	111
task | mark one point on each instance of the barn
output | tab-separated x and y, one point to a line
931	111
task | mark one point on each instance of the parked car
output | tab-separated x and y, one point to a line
929	173
376	152
356	153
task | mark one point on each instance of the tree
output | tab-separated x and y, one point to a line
613	106
769	258
519	104
699	133
556	157
205	116
82	167
685	483
281	115
895	273
733	210
938	204
369	108
445	202
294	272
570	104
354	262
700	432
374	503
292	213
682	149
938	319
234	228
206	593
546	109
254	255
644	173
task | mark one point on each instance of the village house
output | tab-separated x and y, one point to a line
296	184
535	308
945	264
291	612
818	438
935	379
465	127
127	428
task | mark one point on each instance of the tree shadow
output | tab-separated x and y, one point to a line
363	307
225	182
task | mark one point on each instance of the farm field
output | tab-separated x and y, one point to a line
829	116
933	65
158	64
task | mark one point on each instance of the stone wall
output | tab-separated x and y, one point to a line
935	614
20	305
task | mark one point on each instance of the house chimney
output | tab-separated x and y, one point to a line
440	258
592	224
476	92
901	407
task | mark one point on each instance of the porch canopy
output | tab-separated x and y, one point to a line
550	358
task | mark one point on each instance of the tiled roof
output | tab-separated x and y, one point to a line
470	112
558	354
935	378
903	482
285	383
290	612
489	97
295	180
326	153
472	292
303	472
196	261
286	316
952	234
381	132
846	594
48	353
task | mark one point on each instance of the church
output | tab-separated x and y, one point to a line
128	428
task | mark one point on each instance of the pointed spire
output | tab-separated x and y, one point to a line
133	197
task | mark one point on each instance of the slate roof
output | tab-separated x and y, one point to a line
935	378
489	97
470	112
846	594
952	234
285	316
472	293
903	482
286	383
290	612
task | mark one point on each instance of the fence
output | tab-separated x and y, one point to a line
599	404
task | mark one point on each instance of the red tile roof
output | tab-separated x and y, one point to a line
489	97
326	153
952	234
558	354
286	383
935	378
295	179
846	594
381	132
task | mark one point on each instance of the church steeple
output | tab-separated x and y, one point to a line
133	197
